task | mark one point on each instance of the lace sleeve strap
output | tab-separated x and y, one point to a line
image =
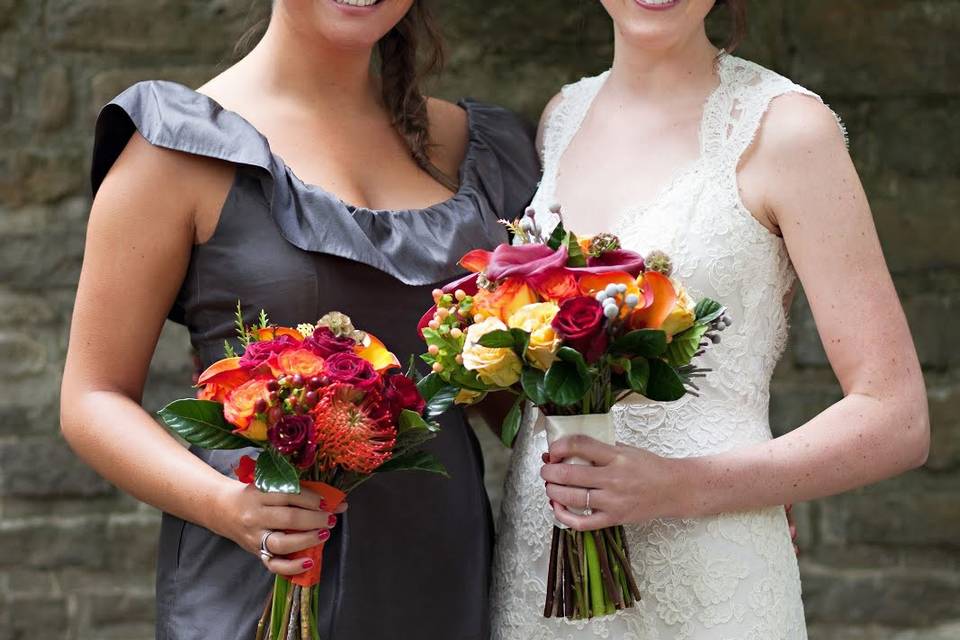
752	90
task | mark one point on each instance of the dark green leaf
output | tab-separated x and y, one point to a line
201	423
532	381
574	252
681	349
469	380
708	310
275	474
649	343
440	402
496	339
414	461
511	424
429	385
557	237
567	380
638	375
413	431
521	340
665	384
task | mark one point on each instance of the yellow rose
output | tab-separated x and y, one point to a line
535	319
500	367
469	396
681	316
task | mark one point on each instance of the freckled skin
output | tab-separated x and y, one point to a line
799	182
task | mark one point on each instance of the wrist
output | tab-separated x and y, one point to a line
219	506
693	481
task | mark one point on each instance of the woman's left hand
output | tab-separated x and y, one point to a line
627	485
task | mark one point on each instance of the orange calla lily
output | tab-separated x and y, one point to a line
377	354
593	283
664	299
476	260
217	369
272	333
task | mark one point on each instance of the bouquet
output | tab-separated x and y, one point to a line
572	325
326	409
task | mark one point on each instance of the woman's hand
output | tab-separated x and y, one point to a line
627	485
298	522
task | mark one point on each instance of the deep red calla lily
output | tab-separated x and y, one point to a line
524	261
619	260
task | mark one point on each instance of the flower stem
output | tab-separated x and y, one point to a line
285	616
293	621
618	550
598	603
305	613
550	605
265	618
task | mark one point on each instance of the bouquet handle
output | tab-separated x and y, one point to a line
333	498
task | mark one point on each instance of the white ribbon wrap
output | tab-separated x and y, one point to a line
599	426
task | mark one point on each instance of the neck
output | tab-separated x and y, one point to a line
300	67
657	73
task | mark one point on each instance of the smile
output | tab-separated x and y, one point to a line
657	5
357	3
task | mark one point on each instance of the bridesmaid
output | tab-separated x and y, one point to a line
298	181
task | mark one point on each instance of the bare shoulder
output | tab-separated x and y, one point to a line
139	184
449	133
797	123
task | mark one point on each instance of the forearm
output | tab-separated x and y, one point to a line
855	442
116	437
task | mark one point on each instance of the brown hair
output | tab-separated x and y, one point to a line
411	50
738	22
402	67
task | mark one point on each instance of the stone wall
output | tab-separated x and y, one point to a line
76	558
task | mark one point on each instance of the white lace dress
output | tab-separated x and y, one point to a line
729	577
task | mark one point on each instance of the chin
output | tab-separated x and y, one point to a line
657	24
346	23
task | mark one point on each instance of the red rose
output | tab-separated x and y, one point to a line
402	393
351	369
325	343
580	324
292	436
259	352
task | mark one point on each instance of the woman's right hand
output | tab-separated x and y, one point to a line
298	522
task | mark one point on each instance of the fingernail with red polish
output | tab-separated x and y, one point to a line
323	505
308	564
324	535
332	521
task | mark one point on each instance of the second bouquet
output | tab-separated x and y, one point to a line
572	325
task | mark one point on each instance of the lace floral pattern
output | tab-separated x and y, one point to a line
728	577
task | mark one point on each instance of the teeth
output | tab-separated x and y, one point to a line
656	3
357	3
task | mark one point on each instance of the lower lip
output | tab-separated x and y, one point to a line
657	7
349	8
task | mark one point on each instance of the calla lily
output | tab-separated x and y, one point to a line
619	260
272	333
664	299
593	283
524	261
476	261
377	354
219	368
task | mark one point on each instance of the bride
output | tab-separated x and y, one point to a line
744	179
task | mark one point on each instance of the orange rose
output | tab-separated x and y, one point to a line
509	296
297	361
558	286
240	409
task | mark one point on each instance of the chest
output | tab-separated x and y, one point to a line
364	161
621	159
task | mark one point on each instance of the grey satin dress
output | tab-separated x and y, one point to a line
411	558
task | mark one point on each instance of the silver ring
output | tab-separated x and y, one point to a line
264	551
587	511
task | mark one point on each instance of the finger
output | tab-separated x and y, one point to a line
575	498
284	567
579	522
282	544
306	499
296	519
577	475
583	447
